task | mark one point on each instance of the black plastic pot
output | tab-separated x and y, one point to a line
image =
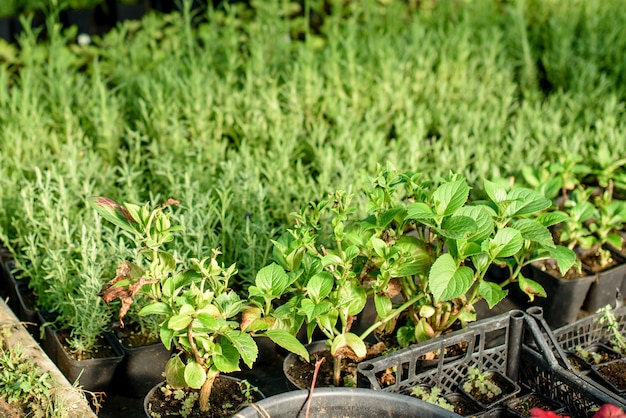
26	312
83	19
6	32
603	290
141	369
564	298
93	374
288	363
520	407
343	402
508	387
130	11
617	382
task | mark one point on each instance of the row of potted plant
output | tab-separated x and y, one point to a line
420	257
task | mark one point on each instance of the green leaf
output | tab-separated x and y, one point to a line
505	243
351	252
207	320
526	201
175	372
272	280
483	218
458	227
195	376
420	211
287	341
491	292
388	216
552	218
531	288
331	259
245	345
450	196
228	360
532	230
167	335
156	308
312	310
383	305
320	286
565	258
614	239
446	281
496	192
356	344
179	322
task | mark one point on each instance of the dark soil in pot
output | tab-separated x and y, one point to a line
485	399
300	373
462	404
227	397
614	373
102	350
524	404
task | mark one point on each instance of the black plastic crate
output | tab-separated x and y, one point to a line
589	330
512	343
586	332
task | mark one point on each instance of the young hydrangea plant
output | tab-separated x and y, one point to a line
210	326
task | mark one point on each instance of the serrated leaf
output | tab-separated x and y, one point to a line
388	216
615	240
379	246
532	230
483	218
207	320
565	258
525	201
496	192
195	376
552	218
228	360
446	281
351	252
287	341
320	286
245	345
272	279
450	196
458	227
312	310
420	211
491	292
505	243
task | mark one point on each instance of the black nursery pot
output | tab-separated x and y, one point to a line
506	385
603	290
93	375
343	402
564	298
612	375
141	369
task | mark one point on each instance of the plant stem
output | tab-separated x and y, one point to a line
205	392
388	318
